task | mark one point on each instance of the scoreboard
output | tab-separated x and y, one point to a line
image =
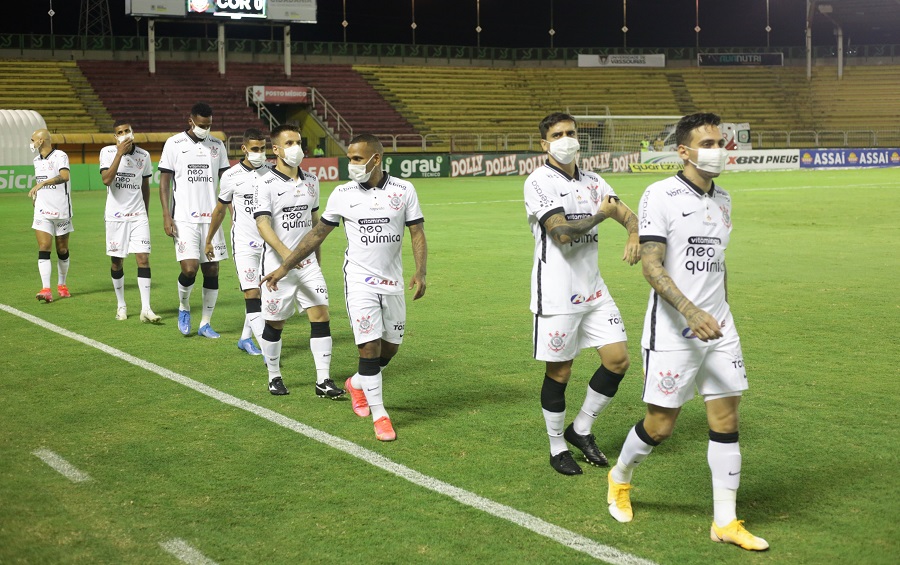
235	9
298	11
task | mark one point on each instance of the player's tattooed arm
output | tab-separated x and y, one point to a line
310	242
653	254
420	254
629	221
564	231
264	226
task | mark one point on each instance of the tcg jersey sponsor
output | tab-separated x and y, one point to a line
695	228
194	165
565	278
124	199
374	221
238	188
291	204
53	202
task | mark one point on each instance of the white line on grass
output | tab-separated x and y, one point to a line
533	523
61	466
185	552
472	202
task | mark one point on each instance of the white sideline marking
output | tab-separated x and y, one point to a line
473	202
185	552
560	535
61	466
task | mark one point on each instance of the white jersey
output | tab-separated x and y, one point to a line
374	222
291	204
124	198
695	228
565	278
238	187
53	202
194	166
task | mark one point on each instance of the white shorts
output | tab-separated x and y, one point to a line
191	243
716	371
560	337
298	290
53	226
247	265
123	238
374	316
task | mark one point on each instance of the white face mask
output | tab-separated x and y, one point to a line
199	132
710	160
358	172
564	149
293	155
33	147
123	138
256	159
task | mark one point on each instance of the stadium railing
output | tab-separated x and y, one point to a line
366	51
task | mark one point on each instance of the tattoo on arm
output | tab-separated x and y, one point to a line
419	247
630	222
307	245
652	256
563	231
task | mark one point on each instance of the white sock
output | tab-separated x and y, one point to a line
257	324
144	288
371	387
210	295
355	382
272	353
45	268
555	422
184	297
247	331
634	450
321	351
594	403
725	466
62	269
119	287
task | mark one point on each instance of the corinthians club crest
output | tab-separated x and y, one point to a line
272	305
557	342
395	201
365	324
250	275
668	383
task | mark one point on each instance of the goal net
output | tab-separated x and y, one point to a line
625	134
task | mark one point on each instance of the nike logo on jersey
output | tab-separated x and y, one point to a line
686	214
239	183
186	150
280	193
563	194
354	205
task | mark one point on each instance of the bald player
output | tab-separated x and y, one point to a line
52	200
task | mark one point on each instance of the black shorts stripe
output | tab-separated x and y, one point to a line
646	369
653	312
535	337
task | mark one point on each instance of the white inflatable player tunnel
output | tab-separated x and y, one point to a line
16	127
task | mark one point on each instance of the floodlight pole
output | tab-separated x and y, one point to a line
413	25
552	31
624	23
478	23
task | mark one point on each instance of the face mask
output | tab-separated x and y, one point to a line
199	132
564	149
256	159
124	138
293	155
33	147
710	160
358	172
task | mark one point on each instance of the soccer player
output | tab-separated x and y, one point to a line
126	170
237	188
689	337
375	208
191	163
571	305
52	201
286	208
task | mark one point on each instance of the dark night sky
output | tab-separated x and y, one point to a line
505	23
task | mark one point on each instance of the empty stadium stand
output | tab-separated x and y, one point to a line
442	101
57	90
162	102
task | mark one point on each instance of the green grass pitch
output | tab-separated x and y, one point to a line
813	265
